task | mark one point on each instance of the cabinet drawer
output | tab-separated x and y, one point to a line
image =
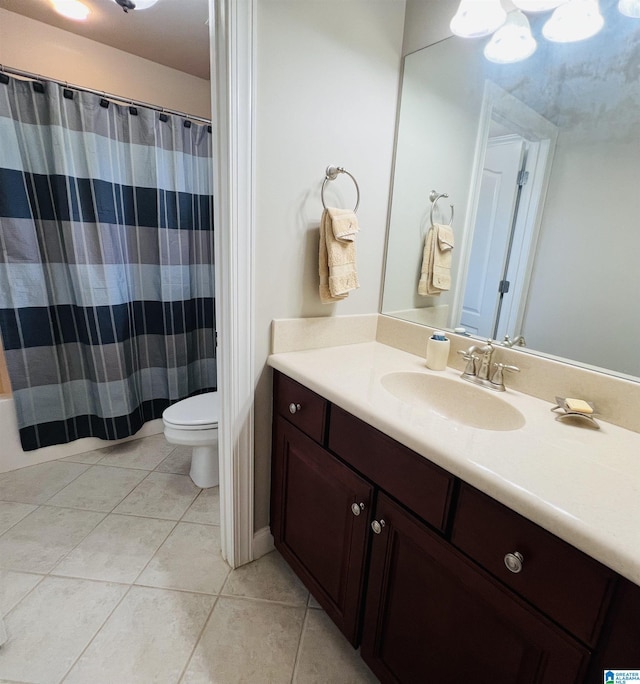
311	415
561	581
420	485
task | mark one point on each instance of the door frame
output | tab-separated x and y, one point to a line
232	40
501	106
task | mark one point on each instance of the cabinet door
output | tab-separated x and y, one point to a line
619	647
314	497
432	615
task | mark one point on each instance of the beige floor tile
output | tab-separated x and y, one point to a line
11	513
160	495
149	638
117	550
14	586
89	457
144	454
49	629
312	602
326	656
189	559
247	641
36	484
177	462
45	536
100	488
268	578
206	508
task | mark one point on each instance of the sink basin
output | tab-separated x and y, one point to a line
458	401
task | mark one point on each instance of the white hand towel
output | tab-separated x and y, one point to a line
435	275
337	257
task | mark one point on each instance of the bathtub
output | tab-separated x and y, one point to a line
12	456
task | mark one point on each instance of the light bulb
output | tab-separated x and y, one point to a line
630	8
512	42
538	5
477	18
575	20
72	9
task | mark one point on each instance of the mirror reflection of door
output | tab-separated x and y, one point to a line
492	235
513	176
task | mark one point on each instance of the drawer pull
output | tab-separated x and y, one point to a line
294	408
377	526
514	562
357	508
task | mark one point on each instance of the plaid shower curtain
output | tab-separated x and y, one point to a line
106	261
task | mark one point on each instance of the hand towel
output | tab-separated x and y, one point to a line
435	275
344	224
337	257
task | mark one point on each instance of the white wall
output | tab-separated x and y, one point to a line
438	127
48	51
427	22
584	303
327	86
33	46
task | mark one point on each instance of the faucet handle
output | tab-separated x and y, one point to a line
497	378
471	359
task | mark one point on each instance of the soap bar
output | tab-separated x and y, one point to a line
578	405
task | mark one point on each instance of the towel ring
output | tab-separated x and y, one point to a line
434	197
331	174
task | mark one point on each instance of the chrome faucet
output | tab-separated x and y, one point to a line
479	367
519	340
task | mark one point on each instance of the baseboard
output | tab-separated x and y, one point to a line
262	542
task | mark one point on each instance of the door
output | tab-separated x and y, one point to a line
319	520
433	616
492	232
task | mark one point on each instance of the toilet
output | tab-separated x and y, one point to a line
194	422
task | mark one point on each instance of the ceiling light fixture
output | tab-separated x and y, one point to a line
630	8
477	18
135	4
512	42
72	9
573	21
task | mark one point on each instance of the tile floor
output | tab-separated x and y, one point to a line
110	571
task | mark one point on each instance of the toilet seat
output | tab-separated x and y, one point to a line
199	412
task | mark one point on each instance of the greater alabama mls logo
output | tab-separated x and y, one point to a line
621	676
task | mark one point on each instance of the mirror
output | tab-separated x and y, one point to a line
568	240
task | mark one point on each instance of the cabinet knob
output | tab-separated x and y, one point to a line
294	408
377	526
514	561
357	508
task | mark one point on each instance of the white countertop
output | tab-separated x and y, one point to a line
583	485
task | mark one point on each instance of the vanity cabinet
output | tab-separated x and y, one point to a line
319	507
433	615
409	561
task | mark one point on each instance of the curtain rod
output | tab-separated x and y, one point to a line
110	96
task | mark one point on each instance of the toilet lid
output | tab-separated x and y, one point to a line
202	409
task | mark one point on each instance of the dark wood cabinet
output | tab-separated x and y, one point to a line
619	647
433	615
409	562
562	582
314	526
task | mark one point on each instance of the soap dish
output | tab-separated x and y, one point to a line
573	415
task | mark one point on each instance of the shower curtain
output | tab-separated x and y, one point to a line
106	261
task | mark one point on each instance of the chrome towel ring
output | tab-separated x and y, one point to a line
331	174
434	196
